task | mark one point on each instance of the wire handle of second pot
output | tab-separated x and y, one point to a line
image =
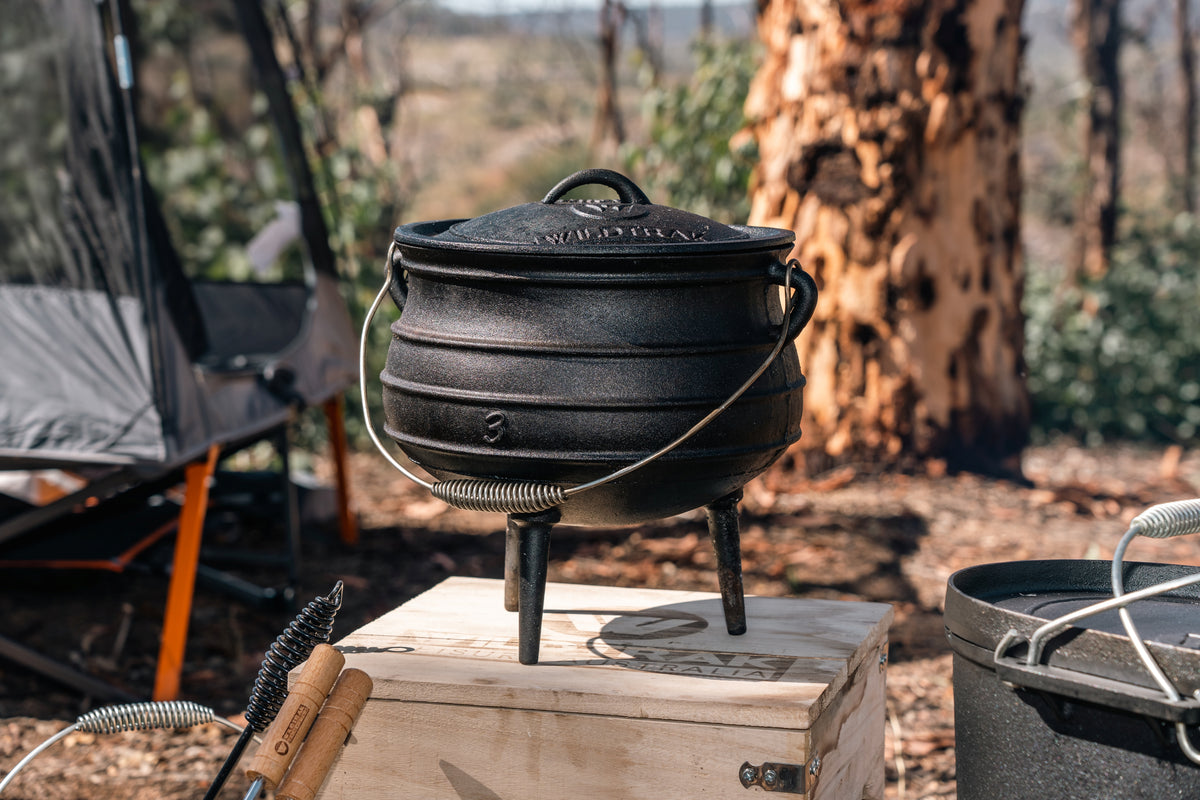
1161	521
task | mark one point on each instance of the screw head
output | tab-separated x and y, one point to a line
814	768
749	774
770	777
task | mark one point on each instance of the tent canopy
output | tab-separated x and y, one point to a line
124	339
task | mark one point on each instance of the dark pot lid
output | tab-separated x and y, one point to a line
629	225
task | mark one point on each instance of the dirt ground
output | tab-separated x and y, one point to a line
845	535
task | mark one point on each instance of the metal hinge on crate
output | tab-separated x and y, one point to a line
773	777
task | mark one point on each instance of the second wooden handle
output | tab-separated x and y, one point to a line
325	740
282	740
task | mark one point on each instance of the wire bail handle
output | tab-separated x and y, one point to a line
529	496
1161	521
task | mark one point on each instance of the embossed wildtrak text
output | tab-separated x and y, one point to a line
620	232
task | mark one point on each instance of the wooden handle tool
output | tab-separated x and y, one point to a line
282	739
327	736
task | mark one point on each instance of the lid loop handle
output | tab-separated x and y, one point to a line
627	190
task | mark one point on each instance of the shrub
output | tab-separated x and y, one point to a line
689	161
1118	357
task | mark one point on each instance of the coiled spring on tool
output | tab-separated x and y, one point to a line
145	716
311	627
129	717
1168	519
505	496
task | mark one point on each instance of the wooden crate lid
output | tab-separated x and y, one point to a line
639	653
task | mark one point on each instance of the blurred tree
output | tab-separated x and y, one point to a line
888	133
1187	85
648	28
706	20
608	122
348	95
1096	30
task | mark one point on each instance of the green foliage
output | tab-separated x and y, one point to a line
207	144
1119	357
218	194
689	161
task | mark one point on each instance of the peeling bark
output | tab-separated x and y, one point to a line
888	132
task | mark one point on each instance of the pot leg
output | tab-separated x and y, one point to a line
723	528
533	539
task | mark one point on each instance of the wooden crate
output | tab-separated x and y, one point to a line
640	693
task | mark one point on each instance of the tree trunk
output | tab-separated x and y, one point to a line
648	29
888	132
1096	29
608	120
367	126
1187	84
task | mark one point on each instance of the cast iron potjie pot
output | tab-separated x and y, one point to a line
560	340
554	343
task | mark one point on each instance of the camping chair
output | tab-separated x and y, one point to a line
115	363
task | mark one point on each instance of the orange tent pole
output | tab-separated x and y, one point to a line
335	420
178	612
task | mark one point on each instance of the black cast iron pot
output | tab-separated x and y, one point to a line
557	341
597	362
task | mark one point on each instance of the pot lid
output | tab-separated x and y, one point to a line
630	224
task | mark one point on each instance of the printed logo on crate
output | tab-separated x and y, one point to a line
624	625
704	663
654	640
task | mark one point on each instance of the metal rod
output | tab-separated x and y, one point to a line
128	717
231	761
1161	521
1054	626
312	626
512	569
12	774
255	788
291	508
56	670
